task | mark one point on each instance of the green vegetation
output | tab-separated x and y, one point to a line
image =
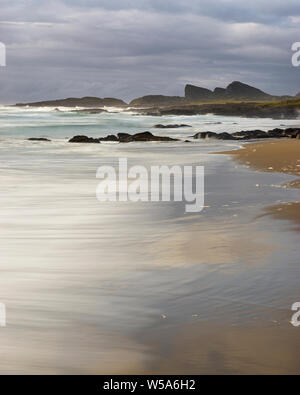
282	103
259	103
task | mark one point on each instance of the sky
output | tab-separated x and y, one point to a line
127	49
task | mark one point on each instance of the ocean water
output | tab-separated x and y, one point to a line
87	284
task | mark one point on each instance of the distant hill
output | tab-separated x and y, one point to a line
87	101
157	100
234	91
193	92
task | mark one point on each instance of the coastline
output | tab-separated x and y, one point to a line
275	156
191	280
253	343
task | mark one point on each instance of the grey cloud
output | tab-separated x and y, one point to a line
129	48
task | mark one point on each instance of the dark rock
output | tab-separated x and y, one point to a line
212	135
239	90
241	109
291	132
225	136
204	135
83	139
156	100
110	137
87	101
251	134
145	136
172	126
196	93
236	90
38	139
90	111
275	133
220	93
123	137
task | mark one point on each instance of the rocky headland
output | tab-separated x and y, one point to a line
237	99
87	101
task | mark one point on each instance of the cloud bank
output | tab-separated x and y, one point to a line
130	48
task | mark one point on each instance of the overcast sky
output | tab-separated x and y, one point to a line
126	49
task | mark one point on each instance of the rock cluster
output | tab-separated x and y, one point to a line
251	134
122	138
171	126
38	139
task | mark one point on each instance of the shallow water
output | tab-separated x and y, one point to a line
96	287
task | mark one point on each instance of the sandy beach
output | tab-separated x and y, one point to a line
142	287
255	347
276	156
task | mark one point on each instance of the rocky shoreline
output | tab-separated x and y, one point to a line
122	138
251	134
237	99
284	110
277	133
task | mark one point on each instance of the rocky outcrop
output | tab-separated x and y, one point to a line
77	102
38	139
278	110
212	135
148	136
240	91
156	100
84	139
122	138
110	137
89	111
172	126
234	91
220	93
251	134
196	93
144	136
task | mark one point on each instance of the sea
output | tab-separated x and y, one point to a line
96	287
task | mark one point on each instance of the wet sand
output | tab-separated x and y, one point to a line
262	342
122	288
204	348
276	156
